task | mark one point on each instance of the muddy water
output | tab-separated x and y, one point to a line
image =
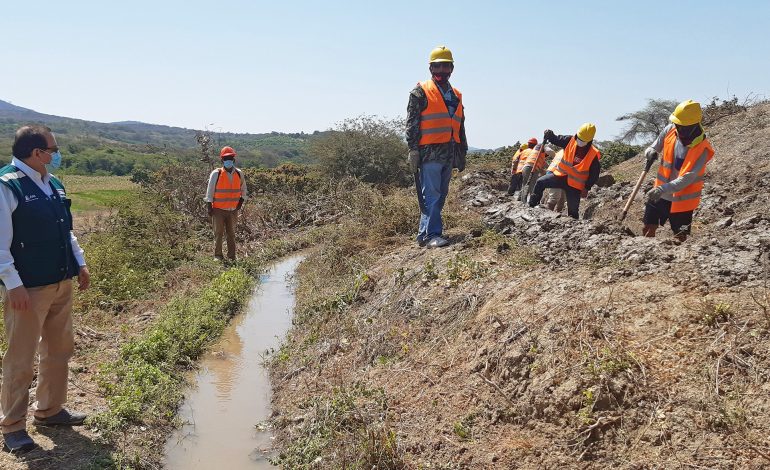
232	395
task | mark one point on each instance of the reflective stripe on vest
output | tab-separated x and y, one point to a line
523	156
556	159
577	175
227	193
436	125
688	199
536	158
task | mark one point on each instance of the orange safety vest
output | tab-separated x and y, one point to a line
523	156
556	160
227	194
577	175
687	199
436	125
536	158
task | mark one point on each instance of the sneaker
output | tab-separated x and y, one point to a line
437	242
18	442
62	418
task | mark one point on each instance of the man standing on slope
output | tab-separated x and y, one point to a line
682	167
435	134
39	256
516	162
576	172
224	198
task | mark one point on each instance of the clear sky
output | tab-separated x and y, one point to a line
257	66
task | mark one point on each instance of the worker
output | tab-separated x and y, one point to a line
225	195
684	151
435	134
39	257
555	197
523	157
515	184
533	168
576	172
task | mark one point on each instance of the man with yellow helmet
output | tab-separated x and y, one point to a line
435	134
577	170
684	152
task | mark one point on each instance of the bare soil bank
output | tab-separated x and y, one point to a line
552	343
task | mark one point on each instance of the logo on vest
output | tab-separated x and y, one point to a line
30	198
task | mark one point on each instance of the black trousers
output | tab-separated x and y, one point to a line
552	181
515	183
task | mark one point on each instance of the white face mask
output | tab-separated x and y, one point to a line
581	143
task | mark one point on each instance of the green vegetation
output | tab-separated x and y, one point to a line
93	193
614	152
145	384
368	148
94	148
146	240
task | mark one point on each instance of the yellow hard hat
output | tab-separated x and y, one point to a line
586	132
687	113
441	54
524	146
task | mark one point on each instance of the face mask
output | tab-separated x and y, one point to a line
441	77
580	143
55	161
228	164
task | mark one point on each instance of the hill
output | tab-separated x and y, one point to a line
135	142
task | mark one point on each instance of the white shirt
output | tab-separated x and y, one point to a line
8	204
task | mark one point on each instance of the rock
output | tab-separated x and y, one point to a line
605	181
724	223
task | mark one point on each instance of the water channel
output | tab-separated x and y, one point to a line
232	396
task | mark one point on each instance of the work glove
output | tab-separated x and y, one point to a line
651	154
460	163
414	160
240	204
655	194
548	134
209	209
584	194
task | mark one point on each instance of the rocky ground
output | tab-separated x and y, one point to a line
538	341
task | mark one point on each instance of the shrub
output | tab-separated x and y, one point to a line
367	147
614	152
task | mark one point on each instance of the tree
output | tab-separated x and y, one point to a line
614	152
645	125
369	148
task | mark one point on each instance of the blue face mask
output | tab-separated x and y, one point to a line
55	161
228	164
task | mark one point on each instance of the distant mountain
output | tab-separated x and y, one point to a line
270	148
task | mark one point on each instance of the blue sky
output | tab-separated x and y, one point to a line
254	66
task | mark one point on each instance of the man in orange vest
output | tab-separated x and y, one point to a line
224	198
532	167
435	134
678	185
515	183
577	170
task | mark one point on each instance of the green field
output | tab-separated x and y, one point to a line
94	193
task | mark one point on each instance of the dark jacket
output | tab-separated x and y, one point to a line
448	152
596	167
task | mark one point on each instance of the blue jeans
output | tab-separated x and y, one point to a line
434	182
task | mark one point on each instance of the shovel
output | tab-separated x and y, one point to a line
647	167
